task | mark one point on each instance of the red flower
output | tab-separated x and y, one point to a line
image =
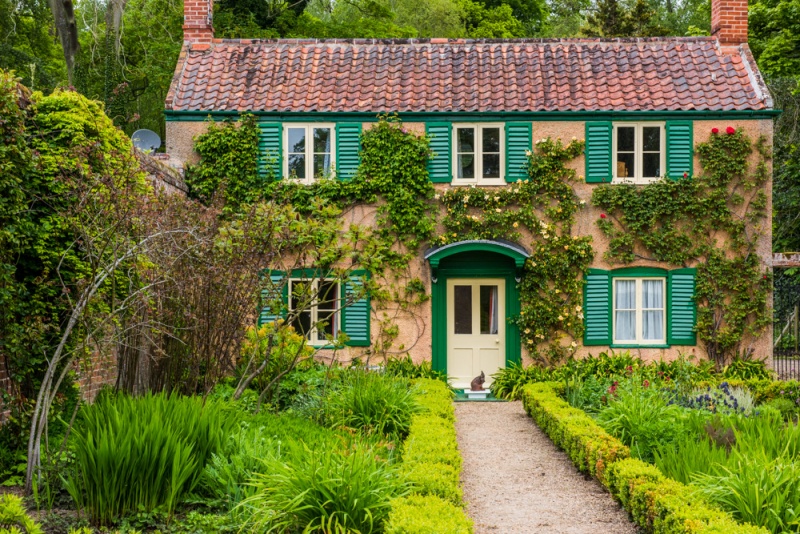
602	215
715	130
730	130
685	174
646	383
765	277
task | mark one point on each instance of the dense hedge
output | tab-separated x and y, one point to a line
658	504
432	463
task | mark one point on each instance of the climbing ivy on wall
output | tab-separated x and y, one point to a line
538	211
712	222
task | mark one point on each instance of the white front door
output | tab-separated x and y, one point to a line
476	329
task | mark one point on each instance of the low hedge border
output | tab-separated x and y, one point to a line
658	504
432	464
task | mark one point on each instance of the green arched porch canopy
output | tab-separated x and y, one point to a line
509	249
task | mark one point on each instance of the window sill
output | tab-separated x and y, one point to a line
633	181
637	346
474	183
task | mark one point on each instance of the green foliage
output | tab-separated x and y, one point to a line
641	418
713	221
228	160
508	382
142	454
326	492
690	455
589	447
405	367
551	289
431	465
418	514
371	403
742	369
14	517
589	394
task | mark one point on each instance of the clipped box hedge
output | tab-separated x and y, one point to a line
658	504
432	463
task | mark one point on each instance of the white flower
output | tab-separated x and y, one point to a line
528	153
498	210
578	308
496	199
574	138
436	196
573	344
466	198
583	202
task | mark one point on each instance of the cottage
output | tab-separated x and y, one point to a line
640	105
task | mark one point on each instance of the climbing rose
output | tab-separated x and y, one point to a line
730	130
685	174
715	130
602	215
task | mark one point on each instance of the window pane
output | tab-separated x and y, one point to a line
466	139
328	294
625	297
301	306
302	324
491	140
322	140
625	326
653	325
651	139
626	138
625	166
491	165
322	164
462	309
297	140
466	166
489	310
652	294
297	166
651	164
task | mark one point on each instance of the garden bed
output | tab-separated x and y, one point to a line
656	503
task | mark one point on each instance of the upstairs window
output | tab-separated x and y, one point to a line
308	151
315	307
478	154
639	311
639	152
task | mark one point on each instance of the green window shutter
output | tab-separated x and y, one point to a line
519	140
268	294
348	144
680	149
597	308
598	152
356	316
440	164
681	308
270	144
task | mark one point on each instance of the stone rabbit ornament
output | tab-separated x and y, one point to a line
477	382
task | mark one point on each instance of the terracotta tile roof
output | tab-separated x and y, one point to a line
458	75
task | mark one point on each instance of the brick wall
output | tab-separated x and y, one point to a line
197	26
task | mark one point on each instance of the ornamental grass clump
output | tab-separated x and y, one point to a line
142	454
324	491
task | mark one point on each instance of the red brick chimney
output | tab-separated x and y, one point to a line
197	28
729	21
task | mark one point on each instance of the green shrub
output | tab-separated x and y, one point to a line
431	478
418	514
406	368
589	447
14	517
757	490
138	454
657	504
747	370
642	419
788	409
589	394
435	397
323	491
432	440
507	383
371	403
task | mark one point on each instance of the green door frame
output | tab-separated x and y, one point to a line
442	273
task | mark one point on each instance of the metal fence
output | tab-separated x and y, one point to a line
786	328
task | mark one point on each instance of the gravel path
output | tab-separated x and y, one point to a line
516	481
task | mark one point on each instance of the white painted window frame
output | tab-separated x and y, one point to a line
639	151
309	153
479	180
639	325
311	337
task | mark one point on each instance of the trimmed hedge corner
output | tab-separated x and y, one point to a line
656	503
432	464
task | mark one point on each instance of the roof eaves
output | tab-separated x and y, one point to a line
753	72
176	77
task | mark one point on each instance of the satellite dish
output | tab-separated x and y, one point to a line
146	140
